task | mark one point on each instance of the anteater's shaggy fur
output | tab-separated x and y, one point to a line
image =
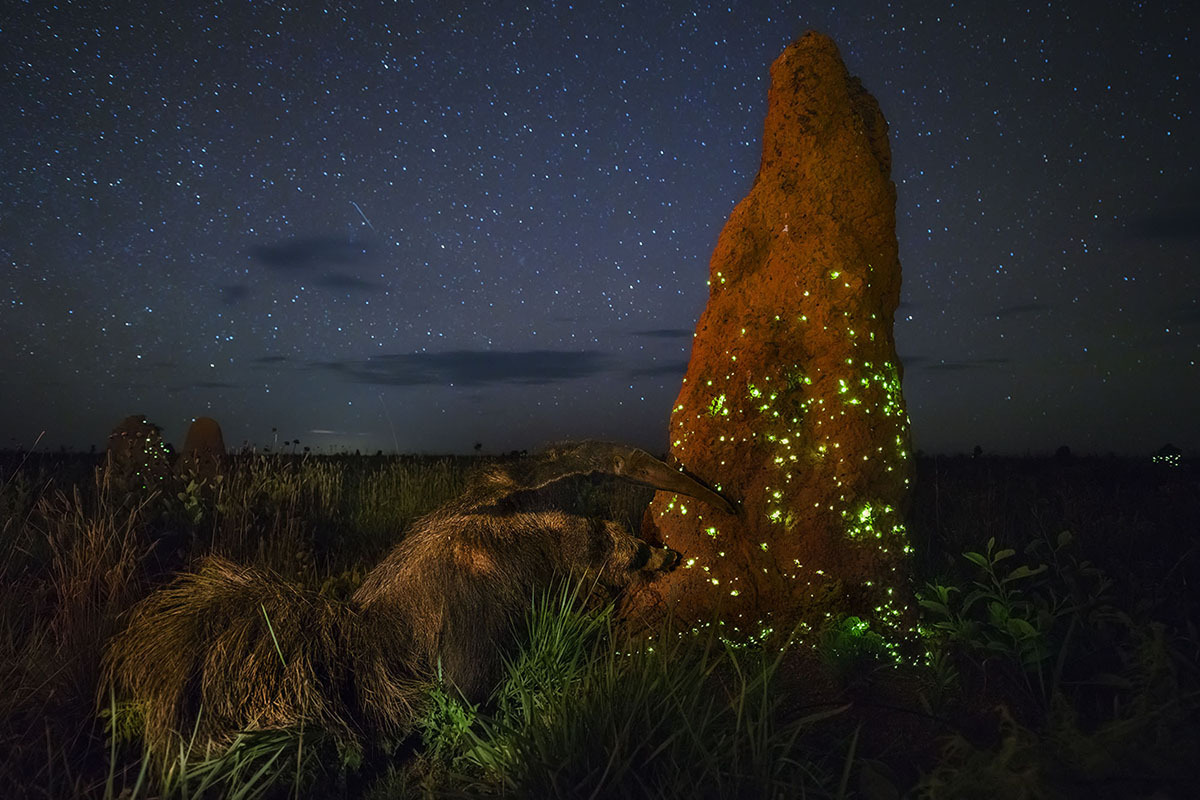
239	648
229	648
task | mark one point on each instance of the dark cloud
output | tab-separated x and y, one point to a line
473	367
1177	224
1178	218
310	252
271	360
915	362
187	388
234	293
664	333
1027	308
955	366
336	280
667	368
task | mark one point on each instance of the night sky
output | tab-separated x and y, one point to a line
421	226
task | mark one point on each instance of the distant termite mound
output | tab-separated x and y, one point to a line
137	458
792	400
203	449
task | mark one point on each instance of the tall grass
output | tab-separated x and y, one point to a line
1071	671
255	764
56	613
304	515
586	711
75	553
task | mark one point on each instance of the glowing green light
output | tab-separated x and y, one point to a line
717	407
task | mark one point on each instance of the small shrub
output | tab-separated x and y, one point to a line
1024	616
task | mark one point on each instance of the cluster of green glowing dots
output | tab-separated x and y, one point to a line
878	521
154	452
717	407
147	452
756	635
720	279
795	412
1168	459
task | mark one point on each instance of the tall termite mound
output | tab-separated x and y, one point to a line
792	403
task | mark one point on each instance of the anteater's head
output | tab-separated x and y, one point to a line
631	560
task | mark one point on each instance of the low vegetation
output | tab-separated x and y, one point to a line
1061	637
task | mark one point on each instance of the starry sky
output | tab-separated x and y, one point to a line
422	226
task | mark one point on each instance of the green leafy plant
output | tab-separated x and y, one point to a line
446	726
1024	614
196	497
1115	693
998	614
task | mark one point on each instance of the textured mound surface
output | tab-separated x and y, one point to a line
792	400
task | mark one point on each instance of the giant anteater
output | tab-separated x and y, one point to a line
227	648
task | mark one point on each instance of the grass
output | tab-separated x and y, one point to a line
587	712
1062	641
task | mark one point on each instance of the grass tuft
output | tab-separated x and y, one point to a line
587	712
